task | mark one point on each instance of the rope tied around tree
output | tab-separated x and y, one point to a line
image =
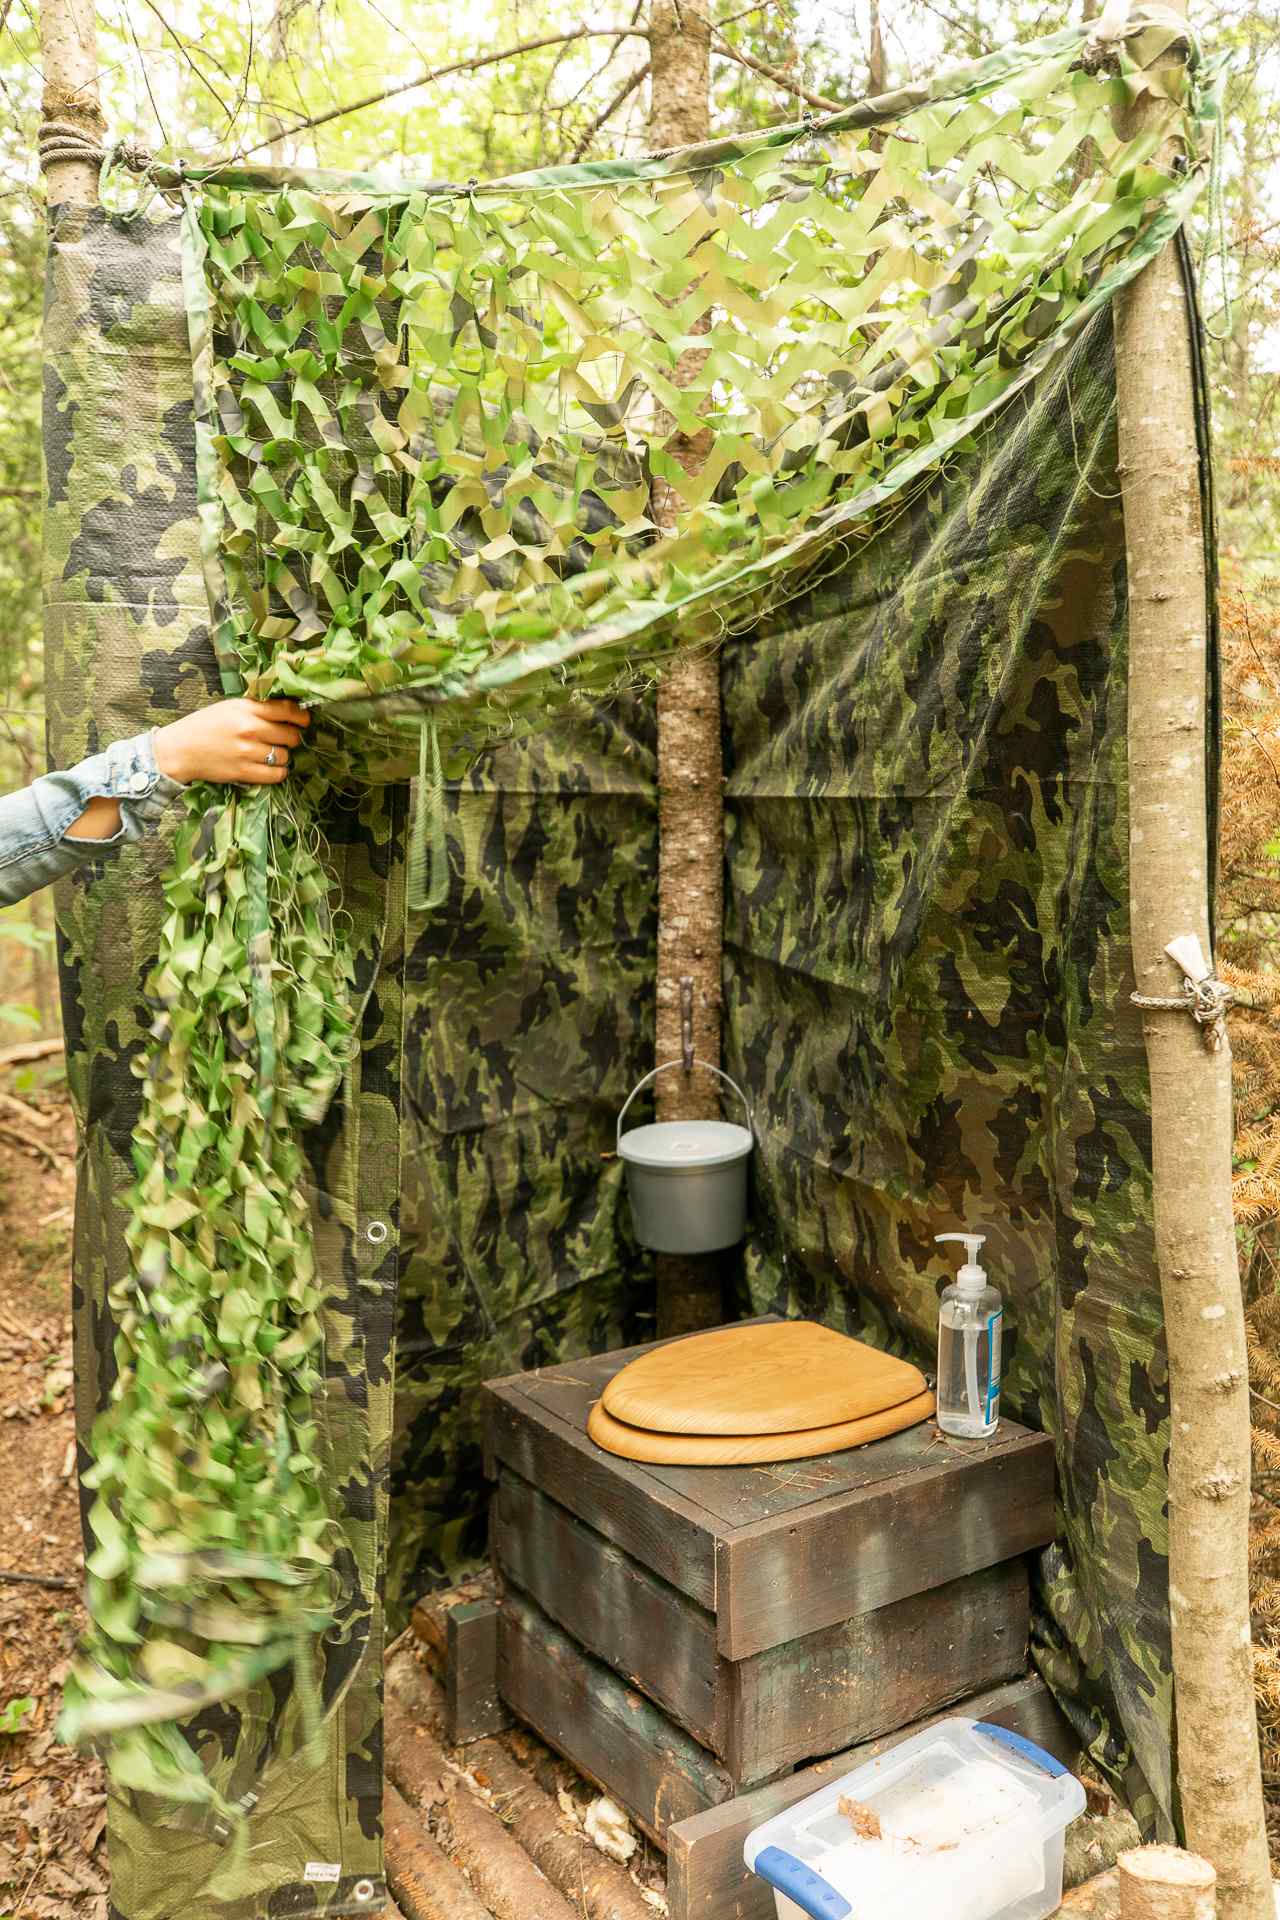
1203	997
59	140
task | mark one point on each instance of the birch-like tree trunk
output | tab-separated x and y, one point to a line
1191	1114
877	65
690	778
69	61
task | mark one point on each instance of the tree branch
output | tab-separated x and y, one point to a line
773	74
441	73
757	6
183	49
624	92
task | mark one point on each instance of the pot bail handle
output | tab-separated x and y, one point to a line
664	1067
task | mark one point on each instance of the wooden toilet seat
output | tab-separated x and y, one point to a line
773	1390
743	1449
770	1377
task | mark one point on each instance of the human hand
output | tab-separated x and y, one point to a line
246	742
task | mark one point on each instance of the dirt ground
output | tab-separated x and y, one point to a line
52	1803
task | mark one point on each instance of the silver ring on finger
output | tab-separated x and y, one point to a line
271	756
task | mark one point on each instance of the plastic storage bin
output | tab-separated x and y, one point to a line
964	1821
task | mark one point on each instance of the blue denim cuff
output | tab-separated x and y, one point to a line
130	774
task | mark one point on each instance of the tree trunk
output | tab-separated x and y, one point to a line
277	70
69	55
1191	1119
1163	1883
877	65
690	777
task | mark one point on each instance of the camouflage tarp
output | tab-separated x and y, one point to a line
935	1025
937	731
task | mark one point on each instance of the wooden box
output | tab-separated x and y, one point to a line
683	1634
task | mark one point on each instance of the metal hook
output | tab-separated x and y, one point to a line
686	1022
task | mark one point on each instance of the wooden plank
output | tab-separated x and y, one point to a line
844	1556
608	1730
733	1497
639	1625
472	1707
781	1707
706	1879
856	1680
661	1530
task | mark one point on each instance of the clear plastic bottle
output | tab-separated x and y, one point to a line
969	1322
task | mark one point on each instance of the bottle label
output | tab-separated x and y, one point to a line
994	1326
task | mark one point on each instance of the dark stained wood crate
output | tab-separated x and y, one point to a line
683	1634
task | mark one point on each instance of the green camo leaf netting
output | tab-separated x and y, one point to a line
443	437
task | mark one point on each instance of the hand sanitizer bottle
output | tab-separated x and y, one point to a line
969	1320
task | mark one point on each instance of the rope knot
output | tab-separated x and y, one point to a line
1203	997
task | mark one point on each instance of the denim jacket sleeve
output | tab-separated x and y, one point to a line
34	847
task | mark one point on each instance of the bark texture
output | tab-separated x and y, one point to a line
69	59
690	774
1191	1116
877	65
468	1833
595	1887
1163	1883
426	1885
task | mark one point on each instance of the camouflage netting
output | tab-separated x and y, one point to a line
392	451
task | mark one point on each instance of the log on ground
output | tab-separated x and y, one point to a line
594	1885
468	1832
426	1884
1164	1883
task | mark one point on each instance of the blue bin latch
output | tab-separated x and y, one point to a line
811	1893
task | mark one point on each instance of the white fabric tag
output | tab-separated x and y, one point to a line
329	1871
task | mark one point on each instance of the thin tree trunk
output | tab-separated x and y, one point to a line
877	65
690	777
69	56
277	68
1191	1117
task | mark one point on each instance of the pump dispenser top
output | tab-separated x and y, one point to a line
971	1278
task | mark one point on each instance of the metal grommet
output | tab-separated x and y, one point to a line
376	1232
364	1890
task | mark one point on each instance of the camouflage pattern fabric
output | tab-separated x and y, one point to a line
128	646
935	1026
429	416
531	1019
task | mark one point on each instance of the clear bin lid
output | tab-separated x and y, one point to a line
953	1820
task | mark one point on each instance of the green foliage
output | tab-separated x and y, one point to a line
13	1713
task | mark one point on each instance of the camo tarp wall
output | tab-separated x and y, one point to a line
927	973
530	1020
127	629
506	1028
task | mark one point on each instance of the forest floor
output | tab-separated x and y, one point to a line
52	1804
53	1862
